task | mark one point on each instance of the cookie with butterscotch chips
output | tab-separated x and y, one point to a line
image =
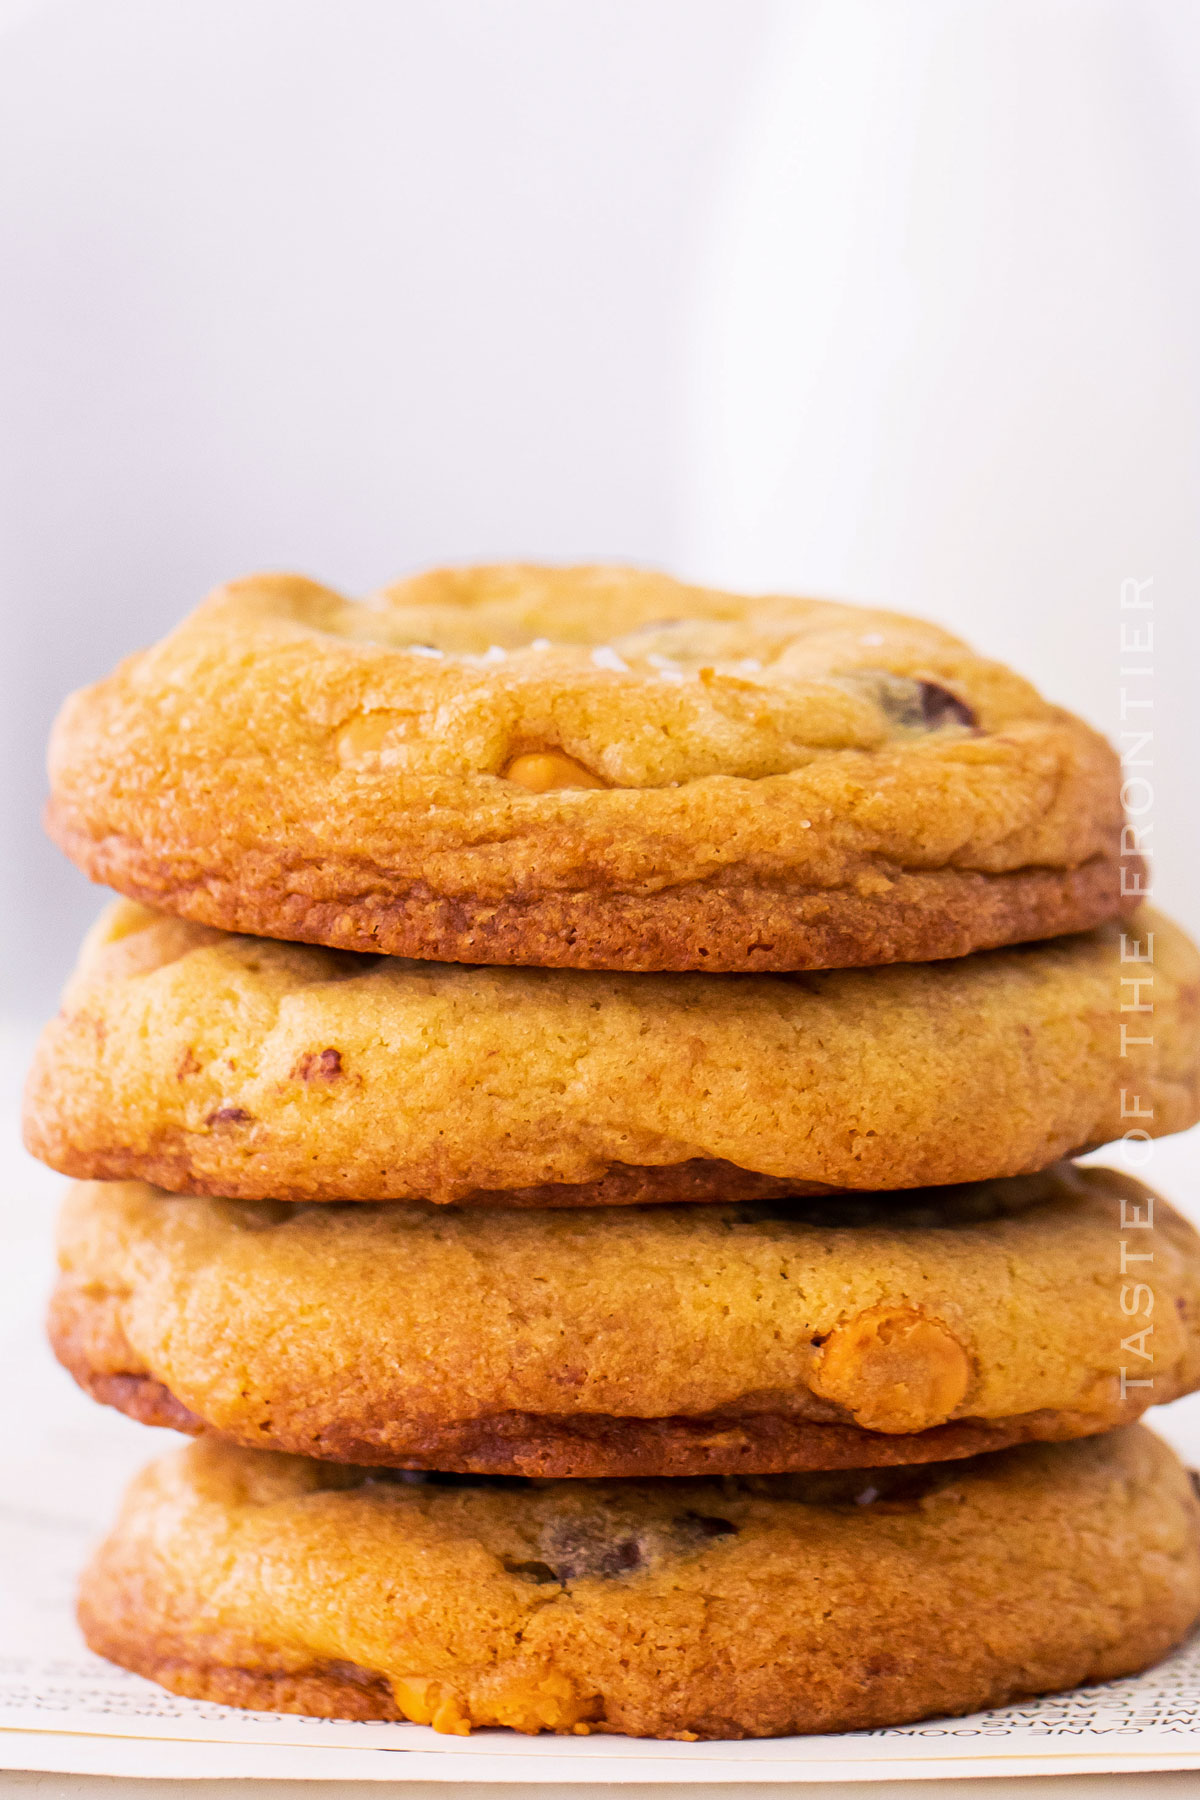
689	1609
640	1341
591	768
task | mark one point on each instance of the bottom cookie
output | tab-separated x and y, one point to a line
719	1608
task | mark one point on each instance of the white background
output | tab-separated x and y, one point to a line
889	299
349	286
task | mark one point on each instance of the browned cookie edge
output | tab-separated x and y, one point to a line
598	1446
918	916
700	1180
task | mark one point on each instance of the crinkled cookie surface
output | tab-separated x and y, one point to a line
589	767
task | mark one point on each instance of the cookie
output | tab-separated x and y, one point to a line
646	1341
699	1609
588	768
237	1066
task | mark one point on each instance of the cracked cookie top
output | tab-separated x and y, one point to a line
595	767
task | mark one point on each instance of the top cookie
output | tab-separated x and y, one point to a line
591	768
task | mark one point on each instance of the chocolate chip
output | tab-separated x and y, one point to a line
229	1115
940	707
318	1065
584	1548
581	1548
1194	1478
914	705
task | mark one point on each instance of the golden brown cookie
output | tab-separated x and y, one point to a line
710	1609
646	1341
254	1069
589	768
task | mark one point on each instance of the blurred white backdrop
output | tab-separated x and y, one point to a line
945	352
889	299
348	286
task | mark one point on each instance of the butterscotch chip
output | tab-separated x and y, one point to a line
544	771
645	1341
252	1069
707	1609
894	1369
589	768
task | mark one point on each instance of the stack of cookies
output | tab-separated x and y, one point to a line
570	1114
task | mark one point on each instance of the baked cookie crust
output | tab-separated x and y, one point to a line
252	1069
650	1341
704	1609
588	768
